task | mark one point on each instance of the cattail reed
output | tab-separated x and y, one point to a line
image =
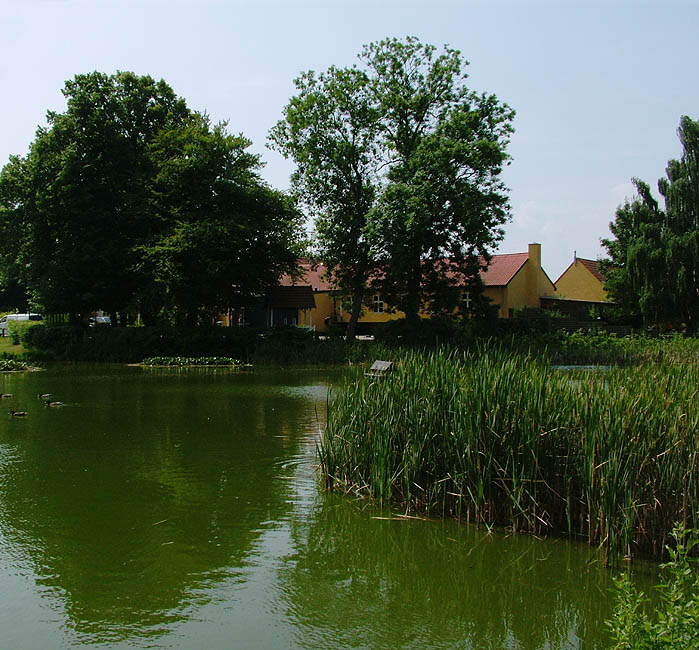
505	439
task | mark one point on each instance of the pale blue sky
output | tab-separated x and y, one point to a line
599	87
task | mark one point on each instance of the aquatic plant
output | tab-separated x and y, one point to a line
181	362
674	622
10	364
506	439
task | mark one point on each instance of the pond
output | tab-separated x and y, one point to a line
167	508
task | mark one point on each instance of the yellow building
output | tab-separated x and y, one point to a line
512	281
517	280
582	280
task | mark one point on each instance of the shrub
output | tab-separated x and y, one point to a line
16	329
675	623
132	344
429	332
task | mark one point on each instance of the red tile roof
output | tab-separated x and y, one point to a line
503	268
593	267
500	271
311	274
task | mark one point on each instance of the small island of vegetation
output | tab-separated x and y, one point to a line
502	438
190	362
10	364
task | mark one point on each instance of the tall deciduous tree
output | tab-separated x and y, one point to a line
444	204
227	236
652	271
80	198
130	200
330	130
400	162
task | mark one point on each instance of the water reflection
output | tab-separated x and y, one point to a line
175	509
367	582
144	489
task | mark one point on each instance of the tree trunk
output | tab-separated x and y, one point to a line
357	300
412	300
148	318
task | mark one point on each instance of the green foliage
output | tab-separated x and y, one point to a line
218	216
653	268
13	295
674	624
426	332
400	164
16	329
79	201
9	364
295	345
132	344
503	438
131	201
443	203
330	130
184	362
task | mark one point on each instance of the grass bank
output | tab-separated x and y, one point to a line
8	348
505	439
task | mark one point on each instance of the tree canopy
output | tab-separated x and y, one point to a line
330	129
652	271
130	200
399	162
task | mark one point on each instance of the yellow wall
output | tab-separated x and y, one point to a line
525	289
497	296
368	315
578	283
328	306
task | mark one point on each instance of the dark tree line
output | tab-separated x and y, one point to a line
129	201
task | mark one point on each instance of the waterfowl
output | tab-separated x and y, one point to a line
17	414
50	403
44	395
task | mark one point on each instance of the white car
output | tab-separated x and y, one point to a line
4	321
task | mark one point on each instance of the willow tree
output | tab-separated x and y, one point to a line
681	232
653	266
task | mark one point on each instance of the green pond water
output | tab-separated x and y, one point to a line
164	508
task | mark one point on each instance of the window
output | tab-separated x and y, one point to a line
467	301
377	304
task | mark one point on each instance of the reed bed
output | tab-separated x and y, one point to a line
504	439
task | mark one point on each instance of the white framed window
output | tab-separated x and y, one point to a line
377	304
466	300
